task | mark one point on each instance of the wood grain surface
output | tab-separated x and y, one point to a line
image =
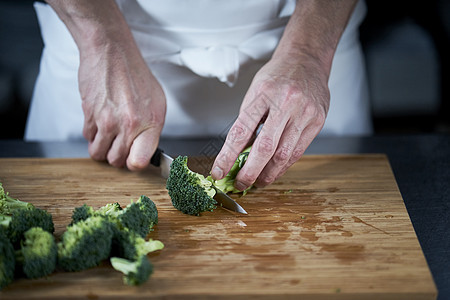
333	227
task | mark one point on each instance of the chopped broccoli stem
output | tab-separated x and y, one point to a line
226	184
130	245
38	253
135	272
9	204
191	193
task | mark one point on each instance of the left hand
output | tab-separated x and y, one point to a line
290	96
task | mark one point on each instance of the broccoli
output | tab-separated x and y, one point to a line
226	184
85	244
130	245
38	253
190	192
7	260
17	216
139	216
85	211
136	271
148	207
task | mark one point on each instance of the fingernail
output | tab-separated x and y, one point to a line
240	186
217	173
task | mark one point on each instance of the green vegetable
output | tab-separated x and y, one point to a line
139	216
38	253
7	260
130	245
226	184
17	216
191	192
85	244
135	272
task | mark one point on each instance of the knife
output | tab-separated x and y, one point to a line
163	161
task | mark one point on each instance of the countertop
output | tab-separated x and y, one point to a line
421	165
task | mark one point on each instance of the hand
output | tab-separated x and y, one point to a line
123	104
290	96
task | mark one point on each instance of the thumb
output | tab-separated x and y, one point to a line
142	149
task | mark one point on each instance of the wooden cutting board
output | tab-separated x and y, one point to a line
333	227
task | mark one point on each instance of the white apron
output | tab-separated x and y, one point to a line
204	54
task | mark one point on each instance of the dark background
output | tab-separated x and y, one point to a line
406	44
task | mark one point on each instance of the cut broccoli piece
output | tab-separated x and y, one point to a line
17	216
85	244
130	245
85	211
135	272
191	192
226	184
7	260
9	204
38	253
139	216
82	213
148	207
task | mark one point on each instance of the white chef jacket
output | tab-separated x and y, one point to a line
204	54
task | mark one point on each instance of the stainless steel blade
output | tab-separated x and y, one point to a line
166	161
227	202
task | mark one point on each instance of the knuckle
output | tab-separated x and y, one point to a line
265	145
247	178
266	180
238	132
296	154
282	155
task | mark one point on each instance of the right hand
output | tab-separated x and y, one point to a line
123	104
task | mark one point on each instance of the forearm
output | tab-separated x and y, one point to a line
93	24
314	30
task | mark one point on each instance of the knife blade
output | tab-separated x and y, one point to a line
163	161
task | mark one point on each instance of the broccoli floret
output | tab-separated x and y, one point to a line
85	211
17	216
38	253
82	213
135	272
7	260
139	216
148	207
85	244
190	192
226	184
133	218
130	245
9	204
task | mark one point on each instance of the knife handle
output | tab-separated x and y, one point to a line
156	158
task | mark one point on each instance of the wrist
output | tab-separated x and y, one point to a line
93	24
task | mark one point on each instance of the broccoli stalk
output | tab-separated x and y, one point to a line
9	204
226	184
135	272
17	216
130	245
38	253
7	261
190	192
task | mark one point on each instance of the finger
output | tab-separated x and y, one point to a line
118	153
89	130
303	143
263	149
100	145
287	145
142	149
238	137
